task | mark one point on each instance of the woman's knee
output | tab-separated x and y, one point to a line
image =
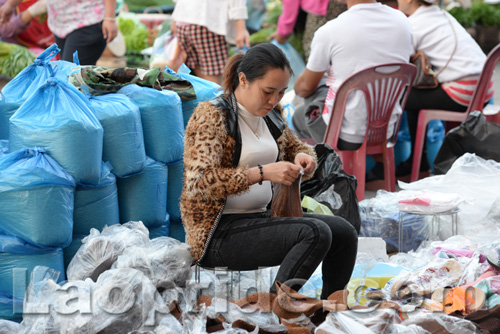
318	232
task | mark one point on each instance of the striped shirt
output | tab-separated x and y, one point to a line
461	91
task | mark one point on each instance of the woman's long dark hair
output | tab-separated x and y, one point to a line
254	64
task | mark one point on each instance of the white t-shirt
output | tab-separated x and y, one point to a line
258	147
218	16
365	35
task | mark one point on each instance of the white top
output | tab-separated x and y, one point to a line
258	147
433	34
365	35
218	16
66	16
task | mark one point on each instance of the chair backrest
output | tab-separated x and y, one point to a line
479	96
383	86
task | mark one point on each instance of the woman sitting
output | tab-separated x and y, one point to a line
454	55
235	146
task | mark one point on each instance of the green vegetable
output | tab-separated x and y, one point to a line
14	58
137	40
261	36
274	9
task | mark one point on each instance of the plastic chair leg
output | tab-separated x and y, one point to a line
389	170
354	163
419	145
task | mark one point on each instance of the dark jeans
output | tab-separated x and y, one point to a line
88	41
298	245
418	99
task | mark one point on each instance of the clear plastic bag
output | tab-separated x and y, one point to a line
100	250
428	202
166	261
442	322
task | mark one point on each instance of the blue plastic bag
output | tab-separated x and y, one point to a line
123	143
36	198
161	231
161	117
26	82
144	196
174	190
58	117
10	308
96	205
17	260
4	147
435	138
205	90
296	61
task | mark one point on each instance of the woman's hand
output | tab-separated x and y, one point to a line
7	10
242	38
279	38
306	162
109	30
278	172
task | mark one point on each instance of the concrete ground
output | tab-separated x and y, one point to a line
496	99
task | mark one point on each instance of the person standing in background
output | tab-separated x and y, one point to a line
85	26
204	29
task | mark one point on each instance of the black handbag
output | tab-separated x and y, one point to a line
425	77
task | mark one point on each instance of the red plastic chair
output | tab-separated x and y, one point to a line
477	103
383	86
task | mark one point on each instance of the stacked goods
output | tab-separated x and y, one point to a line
175	173
205	90
70	251
161	231
144	196
4	147
174	190
123	144
36	198
162	124
58	117
17	260
96	205
22	86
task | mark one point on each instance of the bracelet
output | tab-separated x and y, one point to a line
112	19
261	171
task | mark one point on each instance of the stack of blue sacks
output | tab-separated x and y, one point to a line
79	162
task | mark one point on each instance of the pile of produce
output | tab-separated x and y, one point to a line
14	58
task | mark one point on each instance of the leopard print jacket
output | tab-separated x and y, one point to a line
209	172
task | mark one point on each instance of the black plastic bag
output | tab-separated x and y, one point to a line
342	198
475	135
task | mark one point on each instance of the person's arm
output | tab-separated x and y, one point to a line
287	20
203	152
109	28
307	82
237	11
7	10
